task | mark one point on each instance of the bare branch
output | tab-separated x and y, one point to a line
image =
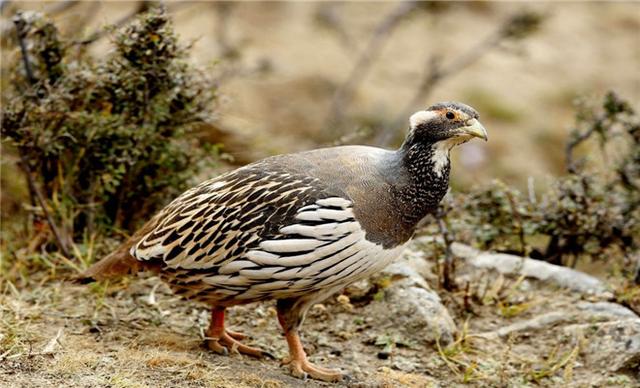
328	16
21	32
572	167
514	27
448	270
61	242
223	17
344	93
517	218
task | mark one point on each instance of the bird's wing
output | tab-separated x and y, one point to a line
215	221
323	247
257	232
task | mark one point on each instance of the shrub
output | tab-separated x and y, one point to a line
591	211
105	142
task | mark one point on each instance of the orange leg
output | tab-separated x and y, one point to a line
222	340
299	364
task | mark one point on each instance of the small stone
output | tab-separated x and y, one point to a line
345	302
319	308
384	355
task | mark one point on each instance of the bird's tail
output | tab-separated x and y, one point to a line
120	263
116	264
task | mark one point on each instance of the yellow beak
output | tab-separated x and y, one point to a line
475	129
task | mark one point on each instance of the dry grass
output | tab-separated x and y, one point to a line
135	333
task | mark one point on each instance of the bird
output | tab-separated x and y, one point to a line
296	228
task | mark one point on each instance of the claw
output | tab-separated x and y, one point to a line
236	335
226	344
300	366
268	355
214	345
303	369
224	341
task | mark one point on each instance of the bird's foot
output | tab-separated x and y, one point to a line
228	342
236	335
302	368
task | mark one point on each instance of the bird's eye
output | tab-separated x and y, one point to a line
450	115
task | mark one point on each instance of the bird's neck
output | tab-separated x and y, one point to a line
427	178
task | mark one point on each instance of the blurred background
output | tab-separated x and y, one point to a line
124	111
298	75
109	112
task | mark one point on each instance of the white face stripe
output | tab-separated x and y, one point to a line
421	117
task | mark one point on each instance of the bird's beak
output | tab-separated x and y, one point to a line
474	128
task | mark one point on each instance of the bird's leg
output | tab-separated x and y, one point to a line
222	340
298	363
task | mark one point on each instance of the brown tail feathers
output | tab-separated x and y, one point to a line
117	264
120	263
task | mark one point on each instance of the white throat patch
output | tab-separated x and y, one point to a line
441	152
441	156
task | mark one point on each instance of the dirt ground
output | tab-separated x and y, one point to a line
135	333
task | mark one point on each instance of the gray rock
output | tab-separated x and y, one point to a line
605	310
404	271
612	346
584	312
516	265
415	306
419	310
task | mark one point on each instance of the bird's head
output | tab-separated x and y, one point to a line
446	124
435	131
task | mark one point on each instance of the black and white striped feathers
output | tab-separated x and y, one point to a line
258	233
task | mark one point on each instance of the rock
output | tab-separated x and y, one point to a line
585	312
606	310
414	257
405	271
415	307
516	265
421	311
405	364
536	323
612	346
